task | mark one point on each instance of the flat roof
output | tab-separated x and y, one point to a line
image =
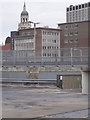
42	28
72	22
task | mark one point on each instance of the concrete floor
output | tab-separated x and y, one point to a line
44	102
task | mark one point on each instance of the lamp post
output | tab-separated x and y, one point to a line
34	23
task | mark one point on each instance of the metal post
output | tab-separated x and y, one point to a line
56	56
81	54
14	58
26	57
71	57
34	34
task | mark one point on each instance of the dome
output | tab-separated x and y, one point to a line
24	13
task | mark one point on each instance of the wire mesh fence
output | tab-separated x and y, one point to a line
66	56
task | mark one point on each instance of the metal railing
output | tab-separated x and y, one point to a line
68	56
27	81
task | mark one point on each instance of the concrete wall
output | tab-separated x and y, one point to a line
72	81
53	74
71	75
12	74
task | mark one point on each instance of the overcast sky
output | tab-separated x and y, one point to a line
47	12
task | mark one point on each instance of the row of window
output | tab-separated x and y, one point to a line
49	55
50	47
70	26
50	33
71	34
71	41
78	7
49	41
77	15
24	44
26	33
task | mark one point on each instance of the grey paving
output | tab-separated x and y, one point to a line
42	101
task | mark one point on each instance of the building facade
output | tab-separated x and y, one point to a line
45	43
74	34
39	41
6	47
78	13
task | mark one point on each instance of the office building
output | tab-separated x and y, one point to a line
78	13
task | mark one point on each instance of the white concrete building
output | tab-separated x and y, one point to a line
78	13
24	44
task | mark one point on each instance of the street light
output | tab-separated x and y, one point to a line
35	23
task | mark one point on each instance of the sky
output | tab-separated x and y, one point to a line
47	12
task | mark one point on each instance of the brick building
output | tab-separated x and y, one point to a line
6	47
44	42
74	34
41	41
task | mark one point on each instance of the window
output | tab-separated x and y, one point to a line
70	8
28	33
76	33
76	40
76	7
71	34
44	54
66	34
44	47
82	5
71	41
89	4
54	41
44	33
44	40
66	41
53	47
49	54
76	25
86	5
73	8
66	26
23	19
79	6
67	9
49	47
23	33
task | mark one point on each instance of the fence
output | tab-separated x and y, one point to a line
68	56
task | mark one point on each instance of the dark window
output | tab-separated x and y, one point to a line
76	25
44	54
70	9
71	41
86	5
76	40
82	5
79	6
76	32
67	9
89	4
71	34
66	26
76	7
23	19
54	41
73	8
